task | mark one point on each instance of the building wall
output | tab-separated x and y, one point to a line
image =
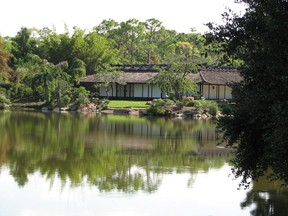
132	90
210	92
112	92
138	90
216	92
157	93
228	93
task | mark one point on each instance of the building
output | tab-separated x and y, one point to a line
216	83
213	84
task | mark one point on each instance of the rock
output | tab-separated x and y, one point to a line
87	107
134	112
45	108
56	109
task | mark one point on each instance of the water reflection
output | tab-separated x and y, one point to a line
267	198
122	154
111	152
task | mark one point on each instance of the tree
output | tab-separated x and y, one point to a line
131	36
77	70
23	44
108	76
55	47
50	82
258	128
182	52
5	70
176	81
153	34
94	50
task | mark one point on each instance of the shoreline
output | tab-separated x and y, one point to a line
185	113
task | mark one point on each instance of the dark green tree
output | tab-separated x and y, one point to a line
24	44
176	80
258	128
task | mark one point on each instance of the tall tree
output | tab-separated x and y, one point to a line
24	44
153	34
5	70
182	52
131	34
258	128
95	51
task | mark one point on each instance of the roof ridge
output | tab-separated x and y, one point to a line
202	77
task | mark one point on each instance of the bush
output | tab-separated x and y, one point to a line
4	101
188	101
209	106
80	95
2	90
21	91
103	104
226	109
65	100
161	107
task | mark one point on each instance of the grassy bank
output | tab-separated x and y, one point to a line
127	104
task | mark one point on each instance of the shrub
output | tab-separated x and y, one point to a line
4	101
80	95
161	107
65	100
103	104
21	91
210	106
188	101
226	109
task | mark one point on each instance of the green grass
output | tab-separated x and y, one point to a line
127	104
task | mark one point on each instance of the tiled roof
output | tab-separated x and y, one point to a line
220	76
128	77
212	76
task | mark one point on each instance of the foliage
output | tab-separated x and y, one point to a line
182	52
258	127
80	96
23	45
30	61
176	81
210	106
108	76
104	104
226	108
77	70
186	101
5	70
4	101
161	107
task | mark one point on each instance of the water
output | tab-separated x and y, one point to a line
88	164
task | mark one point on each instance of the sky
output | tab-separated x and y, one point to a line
179	15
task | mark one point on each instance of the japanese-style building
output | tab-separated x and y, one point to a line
213	83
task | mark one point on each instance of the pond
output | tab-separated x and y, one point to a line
72	164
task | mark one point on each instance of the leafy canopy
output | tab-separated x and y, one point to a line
258	128
176	80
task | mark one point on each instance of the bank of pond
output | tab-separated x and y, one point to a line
187	108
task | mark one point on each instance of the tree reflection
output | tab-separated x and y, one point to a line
111	152
269	198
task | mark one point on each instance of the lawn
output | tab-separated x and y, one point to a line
127	104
